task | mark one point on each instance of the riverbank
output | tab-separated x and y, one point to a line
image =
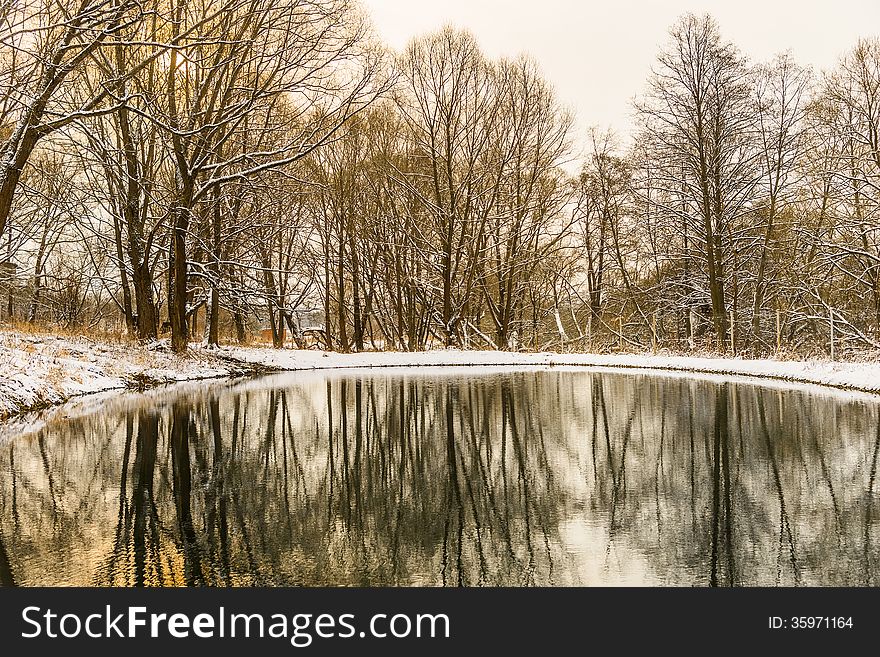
39	371
857	376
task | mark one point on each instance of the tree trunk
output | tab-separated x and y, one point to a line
177	304
240	330
340	300
16	154
123	276
214	328
138	249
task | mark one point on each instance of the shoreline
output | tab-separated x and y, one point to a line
40	371
855	376
47	371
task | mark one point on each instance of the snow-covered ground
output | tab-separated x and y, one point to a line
37	371
863	376
43	370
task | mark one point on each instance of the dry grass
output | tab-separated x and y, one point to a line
84	332
42	365
55	377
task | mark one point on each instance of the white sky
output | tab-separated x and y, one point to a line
598	53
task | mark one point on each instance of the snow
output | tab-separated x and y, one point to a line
38	371
860	376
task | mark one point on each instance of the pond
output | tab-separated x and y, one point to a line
448	477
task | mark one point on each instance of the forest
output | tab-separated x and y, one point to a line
241	170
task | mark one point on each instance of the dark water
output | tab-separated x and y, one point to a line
452	478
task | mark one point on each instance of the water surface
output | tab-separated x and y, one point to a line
448	477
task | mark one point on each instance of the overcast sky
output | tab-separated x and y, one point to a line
598	54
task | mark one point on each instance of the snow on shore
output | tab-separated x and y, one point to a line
863	376
37	371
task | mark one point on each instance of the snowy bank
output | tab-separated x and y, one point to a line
864	376
37	371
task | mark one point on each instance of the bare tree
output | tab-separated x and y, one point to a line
450	106
698	122
781	97
46	45
238	72
601	196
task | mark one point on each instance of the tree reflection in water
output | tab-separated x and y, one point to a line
455	479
